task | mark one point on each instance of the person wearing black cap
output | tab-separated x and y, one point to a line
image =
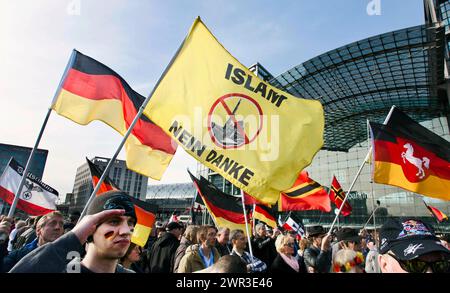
409	245
106	230
161	256
318	256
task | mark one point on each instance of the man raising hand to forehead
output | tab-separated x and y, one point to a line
106	230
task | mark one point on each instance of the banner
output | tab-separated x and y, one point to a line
255	135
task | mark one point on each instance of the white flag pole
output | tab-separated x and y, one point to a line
38	140
130	128
246	226
357	175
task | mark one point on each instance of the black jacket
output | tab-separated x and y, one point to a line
317	260
162	254
264	249
223	249
279	266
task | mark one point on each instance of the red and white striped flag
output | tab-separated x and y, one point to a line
37	198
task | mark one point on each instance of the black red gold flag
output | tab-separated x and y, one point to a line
92	91
224	208
266	214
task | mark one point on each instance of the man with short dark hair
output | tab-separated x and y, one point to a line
239	242
161	255
106	230
409	245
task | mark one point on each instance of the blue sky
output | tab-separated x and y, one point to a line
137	38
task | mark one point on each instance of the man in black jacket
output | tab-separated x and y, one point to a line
162	254
264	246
106	229
318	256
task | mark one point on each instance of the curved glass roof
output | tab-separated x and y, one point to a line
362	80
171	191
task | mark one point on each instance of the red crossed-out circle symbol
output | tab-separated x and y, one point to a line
232	134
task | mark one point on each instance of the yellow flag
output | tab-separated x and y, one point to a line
255	135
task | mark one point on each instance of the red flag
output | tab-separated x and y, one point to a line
306	194
337	195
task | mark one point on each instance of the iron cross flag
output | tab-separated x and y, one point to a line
36	198
255	135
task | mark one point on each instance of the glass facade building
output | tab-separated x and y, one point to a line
359	82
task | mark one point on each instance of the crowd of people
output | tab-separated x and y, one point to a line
101	243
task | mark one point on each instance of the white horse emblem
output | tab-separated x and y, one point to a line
419	163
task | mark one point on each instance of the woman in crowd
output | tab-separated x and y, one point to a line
285	261
130	259
189	238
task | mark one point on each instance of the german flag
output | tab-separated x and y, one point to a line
337	195
224	208
306	194
143	227
92	91
265	214
96	173
410	156
145	218
440	216
250	200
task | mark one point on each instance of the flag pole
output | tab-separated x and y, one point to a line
371	215
130	128
106	171
371	184
38	139
357	175
253	219
246	226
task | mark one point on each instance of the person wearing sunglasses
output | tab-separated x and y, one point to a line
409	245
286	262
